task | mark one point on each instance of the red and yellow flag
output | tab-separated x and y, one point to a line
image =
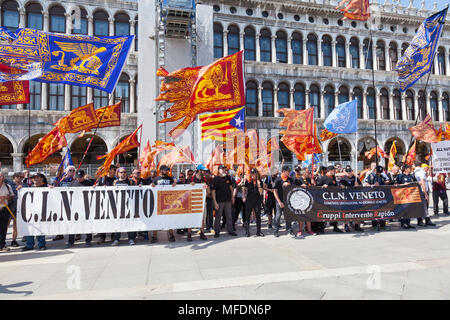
109	116
327	135
193	91
177	155
354	9
369	154
79	119
425	131
410	157
297	145
49	144
13	92
215	159
221	126
392	154
298	123
127	144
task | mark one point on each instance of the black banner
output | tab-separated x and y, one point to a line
359	203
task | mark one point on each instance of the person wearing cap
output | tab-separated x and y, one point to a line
251	196
107	181
223	199
421	174
280	183
325	181
163	180
270	203
349	180
377	178
405	178
39	181
440	192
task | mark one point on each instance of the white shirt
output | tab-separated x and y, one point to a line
5	191
421	174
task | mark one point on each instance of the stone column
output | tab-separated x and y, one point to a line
274	51
132	24
447	64
320	53
67	98
225	43
111	26
260	102
428	104
333	53
305	52
440	108
306	98
336	98
20	106
68	23
436	65
416	105
289	50
403	106
17	161
90	25
90	95
22	18
365	108
46	20
347	55
275	102
111	99
387	59
258	50
291	98
132	96
241	40
322	105
391	107
374	55
362	58
378	104
44	101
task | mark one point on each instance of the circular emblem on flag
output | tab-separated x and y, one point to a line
299	201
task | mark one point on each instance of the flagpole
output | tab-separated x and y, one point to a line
356	155
139	154
374	102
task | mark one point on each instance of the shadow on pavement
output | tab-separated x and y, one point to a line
6	289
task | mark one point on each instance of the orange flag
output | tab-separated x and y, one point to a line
79	119
49	144
127	144
425	131
109	116
217	86
297	145
392	154
355	9
369	154
146	161
327	135
298	123
446	133
410	157
215	159
183	155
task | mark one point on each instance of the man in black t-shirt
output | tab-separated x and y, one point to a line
280	183
269	185
406	178
107	180
325	181
251	196
349	180
223	199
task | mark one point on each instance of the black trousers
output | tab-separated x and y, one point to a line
442	194
72	238
238	205
209	214
249	206
4	222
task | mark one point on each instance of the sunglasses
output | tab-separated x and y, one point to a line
71	170
122	172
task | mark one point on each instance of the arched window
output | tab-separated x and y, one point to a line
343	95
326	51
328	99
233	39
299	96
218	41
100	98
397	105
56	96
136	33
393	57
404	47
371	104
314	100
384	101
340	52
57	19
434	106
409	100
297	48
281	47
10	15
251	97
35	95
249	44
441	61
267	98
121	24
341	152
35	19
354	52
77	96
381	57
265	46
80	27
101	23
358	95
123	91
311	46
367	51
283	96
445	106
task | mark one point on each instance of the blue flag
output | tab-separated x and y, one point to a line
66	161
343	119
418	57
78	60
308	161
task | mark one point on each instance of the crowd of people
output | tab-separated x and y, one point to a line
228	198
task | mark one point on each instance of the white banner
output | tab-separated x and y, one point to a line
441	157
78	210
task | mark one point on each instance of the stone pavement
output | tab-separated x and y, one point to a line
391	264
